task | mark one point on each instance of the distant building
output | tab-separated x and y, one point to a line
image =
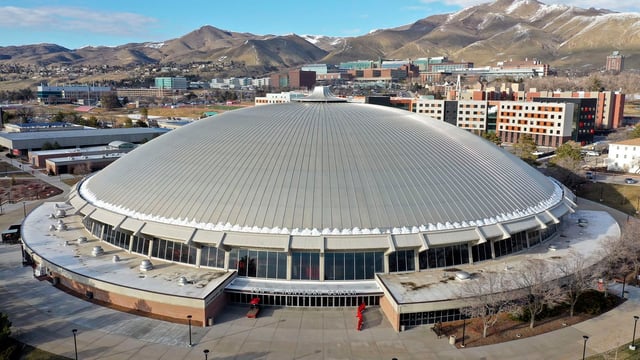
294	79
39	127
38	158
357	65
172	83
278	98
300	79
615	62
317	68
22	143
80	165
81	94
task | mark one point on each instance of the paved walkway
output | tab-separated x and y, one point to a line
43	316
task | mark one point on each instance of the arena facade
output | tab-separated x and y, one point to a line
313	204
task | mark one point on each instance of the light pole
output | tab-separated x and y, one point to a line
206	353
189	319
633	339
464	326
24	208
75	345
584	348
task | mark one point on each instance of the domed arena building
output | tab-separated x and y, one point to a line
316	203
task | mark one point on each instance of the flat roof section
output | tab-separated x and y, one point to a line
62	249
582	232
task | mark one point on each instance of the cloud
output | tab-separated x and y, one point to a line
615	5
74	19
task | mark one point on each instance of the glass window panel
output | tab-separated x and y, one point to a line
359	266
271	265
282	265
349	262
314	266
329	269
262	264
251	268
339	266
369	265
410	261
379	261
296	266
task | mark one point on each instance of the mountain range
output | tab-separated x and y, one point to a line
562	36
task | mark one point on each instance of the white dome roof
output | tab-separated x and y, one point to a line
321	167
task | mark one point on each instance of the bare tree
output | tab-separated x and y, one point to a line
539	288
577	277
613	252
631	247
488	298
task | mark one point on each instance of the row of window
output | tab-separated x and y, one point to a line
305	300
429	317
357	265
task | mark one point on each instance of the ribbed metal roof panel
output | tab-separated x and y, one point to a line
333	167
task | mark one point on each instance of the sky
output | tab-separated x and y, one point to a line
78	23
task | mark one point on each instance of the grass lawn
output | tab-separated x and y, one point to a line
625	198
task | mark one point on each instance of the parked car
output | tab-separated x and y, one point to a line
630	180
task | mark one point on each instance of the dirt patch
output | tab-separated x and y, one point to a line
13	190
508	329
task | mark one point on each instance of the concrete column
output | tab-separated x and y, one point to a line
321	266
470	252
198	255
493	250
130	243
386	263
227	256
416	259
289	265
150	248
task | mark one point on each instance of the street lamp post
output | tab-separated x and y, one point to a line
75	344
464	326
633	339
584	348
206	353
189	319
24	208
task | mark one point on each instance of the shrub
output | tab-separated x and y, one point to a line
594	302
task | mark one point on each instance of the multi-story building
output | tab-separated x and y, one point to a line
472	115
467	114
135	93
584	117
609	104
294	79
624	156
375	74
317	68
261	82
550	124
39	127
278	98
300	79
173	83
83	94
615	62
357	65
